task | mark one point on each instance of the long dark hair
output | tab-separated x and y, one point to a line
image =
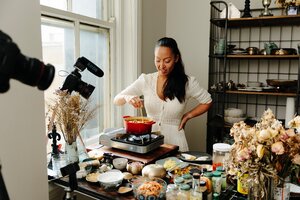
177	79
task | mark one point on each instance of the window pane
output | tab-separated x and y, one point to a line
90	8
58	49
94	46
59	4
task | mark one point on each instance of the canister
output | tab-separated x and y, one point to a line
220	154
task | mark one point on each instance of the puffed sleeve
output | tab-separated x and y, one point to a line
133	90
194	90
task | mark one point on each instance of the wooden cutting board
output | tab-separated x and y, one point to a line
163	151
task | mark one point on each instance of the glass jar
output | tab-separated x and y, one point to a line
217	182
220	154
184	192
171	192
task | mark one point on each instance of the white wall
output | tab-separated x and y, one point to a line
188	23
22	130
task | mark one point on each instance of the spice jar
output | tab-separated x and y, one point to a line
220	154
184	192
217	182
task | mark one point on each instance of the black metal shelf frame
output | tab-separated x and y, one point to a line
243	33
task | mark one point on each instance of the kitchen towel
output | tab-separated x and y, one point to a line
290	110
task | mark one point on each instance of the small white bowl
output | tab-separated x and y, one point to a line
232	120
254	84
111	179
120	163
233	112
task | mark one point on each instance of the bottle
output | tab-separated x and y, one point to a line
203	189
208	179
196	193
216	182
223	176
184	192
171	193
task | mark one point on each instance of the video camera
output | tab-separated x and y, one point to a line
73	81
13	64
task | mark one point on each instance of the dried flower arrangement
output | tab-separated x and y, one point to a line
265	150
286	3
70	112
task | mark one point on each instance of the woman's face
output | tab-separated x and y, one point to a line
164	60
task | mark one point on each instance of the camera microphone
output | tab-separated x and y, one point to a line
83	63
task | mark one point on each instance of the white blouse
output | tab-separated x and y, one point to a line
167	114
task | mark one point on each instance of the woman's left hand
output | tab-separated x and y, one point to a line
183	122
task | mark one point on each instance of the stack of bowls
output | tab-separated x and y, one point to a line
233	115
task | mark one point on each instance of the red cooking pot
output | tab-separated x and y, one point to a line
138	125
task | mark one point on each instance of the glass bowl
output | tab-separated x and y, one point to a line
149	188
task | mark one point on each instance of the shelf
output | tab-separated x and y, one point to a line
269	57
283	20
287	94
273	93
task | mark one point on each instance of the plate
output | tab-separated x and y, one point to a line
200	157
252	89
171	163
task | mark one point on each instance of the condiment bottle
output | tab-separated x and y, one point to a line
196	193
208	192
171	193
216	182
223	176
178	181
184	192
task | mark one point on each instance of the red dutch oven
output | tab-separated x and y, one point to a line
138	125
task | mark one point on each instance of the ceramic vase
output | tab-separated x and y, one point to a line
71	151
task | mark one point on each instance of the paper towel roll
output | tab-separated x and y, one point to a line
290	110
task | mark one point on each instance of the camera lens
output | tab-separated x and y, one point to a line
33	72
85	89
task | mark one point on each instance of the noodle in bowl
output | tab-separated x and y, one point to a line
149	188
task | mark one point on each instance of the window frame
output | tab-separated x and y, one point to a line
122	40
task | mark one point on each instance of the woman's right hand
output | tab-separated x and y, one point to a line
135	101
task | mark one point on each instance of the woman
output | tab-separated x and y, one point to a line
166	93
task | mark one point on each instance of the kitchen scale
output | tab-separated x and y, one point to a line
119	139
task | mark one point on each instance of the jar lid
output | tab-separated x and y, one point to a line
208	174
202	183
223	147
187	176
185	187
178	179
216	173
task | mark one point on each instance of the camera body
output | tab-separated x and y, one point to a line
13	64
73	81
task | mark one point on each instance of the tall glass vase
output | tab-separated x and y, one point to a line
263	191
71	151
282	189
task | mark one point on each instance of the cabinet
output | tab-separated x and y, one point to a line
227	70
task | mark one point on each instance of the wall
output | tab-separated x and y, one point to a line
188	23
22	130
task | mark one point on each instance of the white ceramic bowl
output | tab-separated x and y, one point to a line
254	84
233	120
120	163
111	179
233	112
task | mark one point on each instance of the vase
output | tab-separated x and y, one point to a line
71	151
262	191
282	189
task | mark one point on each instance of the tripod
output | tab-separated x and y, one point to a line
70	170
3	191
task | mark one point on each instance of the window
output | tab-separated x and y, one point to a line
67	36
